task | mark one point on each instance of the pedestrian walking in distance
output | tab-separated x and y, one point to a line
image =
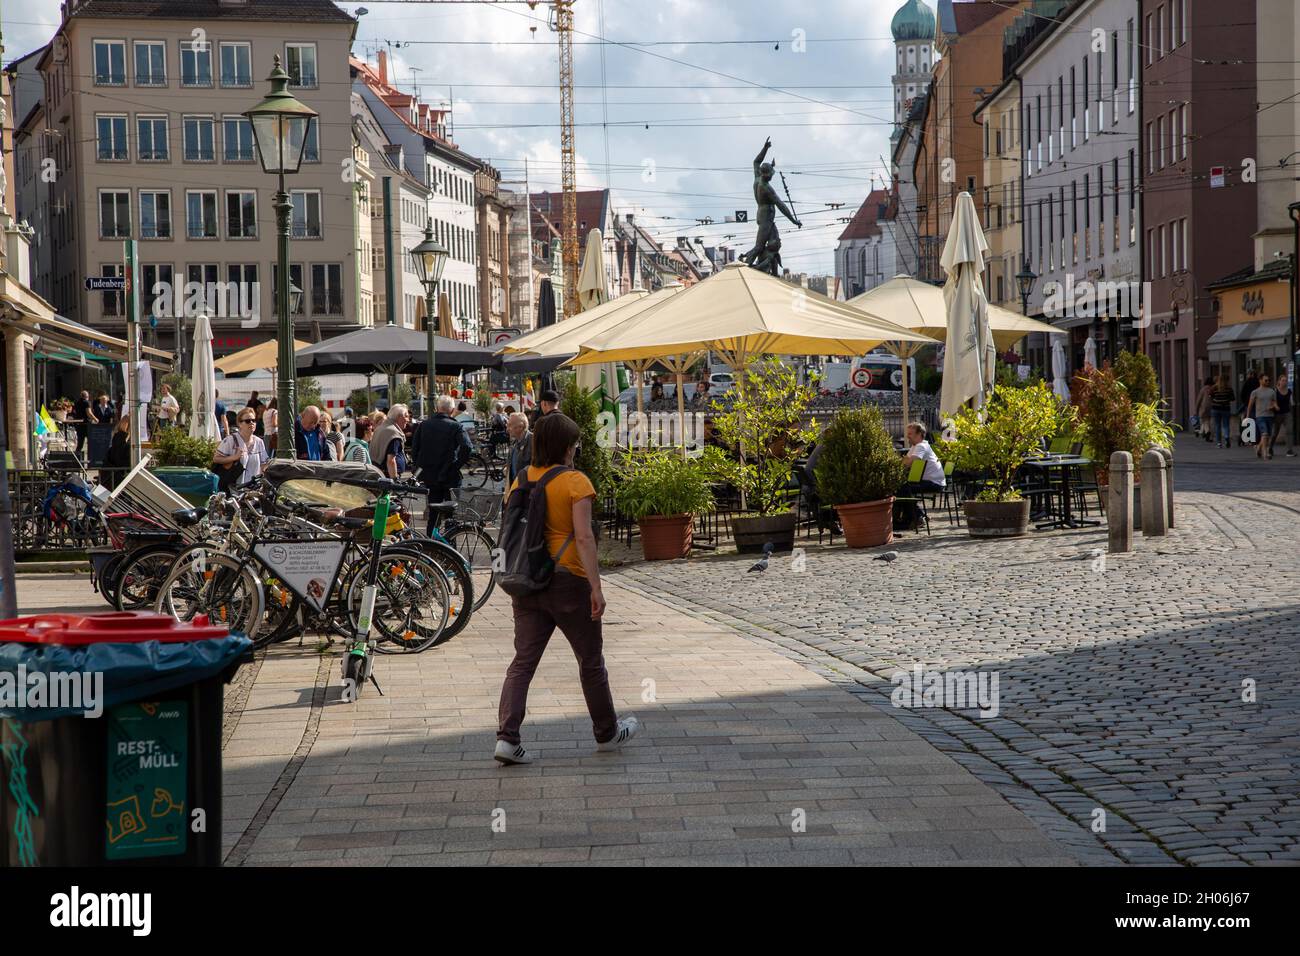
572	600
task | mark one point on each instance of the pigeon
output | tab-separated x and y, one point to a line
761	564
887	556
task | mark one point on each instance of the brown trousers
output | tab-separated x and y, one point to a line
565	604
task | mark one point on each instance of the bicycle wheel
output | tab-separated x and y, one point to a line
283	616
411	602
475	473
139	574
106	579
456	574
477	547
224	589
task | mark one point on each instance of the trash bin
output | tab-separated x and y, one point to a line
118	760
195	485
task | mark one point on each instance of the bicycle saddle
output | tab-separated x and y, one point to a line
442	507
187	517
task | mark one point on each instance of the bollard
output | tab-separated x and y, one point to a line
1154	520
1169	485
1119	504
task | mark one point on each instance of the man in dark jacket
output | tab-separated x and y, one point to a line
547	403
309	437
441	447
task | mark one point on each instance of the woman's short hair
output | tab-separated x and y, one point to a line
364	426
553	436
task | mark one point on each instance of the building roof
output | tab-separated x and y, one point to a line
1273	271
592	207
969	15
881	205
913	21
315	10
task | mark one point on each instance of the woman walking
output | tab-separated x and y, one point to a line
1282	420
271	424
1260	406
573	601
1221	411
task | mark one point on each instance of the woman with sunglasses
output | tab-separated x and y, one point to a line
240	456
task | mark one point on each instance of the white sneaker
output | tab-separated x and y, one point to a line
628	727
508	753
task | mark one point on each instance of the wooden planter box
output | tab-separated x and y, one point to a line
665	537
997	519
752	533
868	524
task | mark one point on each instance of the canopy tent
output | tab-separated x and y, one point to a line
970	356
920	306
740	313
264	356
393	349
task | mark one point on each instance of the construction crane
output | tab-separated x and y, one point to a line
561	23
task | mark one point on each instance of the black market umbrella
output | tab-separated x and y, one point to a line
393	349
528	364
545	305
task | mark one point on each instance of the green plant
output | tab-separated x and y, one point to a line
660	482
1138	376
1150	430
182	391
592	459
928	380
1007	376
858	462
765	423
174	447
1106	414
482	402
1000	436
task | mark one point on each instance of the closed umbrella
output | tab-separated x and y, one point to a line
1090	352
545	304
203	383
970	356
592	292
1060	385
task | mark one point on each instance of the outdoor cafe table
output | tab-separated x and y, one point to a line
1065	464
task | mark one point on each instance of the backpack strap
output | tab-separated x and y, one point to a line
541	484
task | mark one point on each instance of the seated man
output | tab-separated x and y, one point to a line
932	477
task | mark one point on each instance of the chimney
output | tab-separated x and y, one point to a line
383	67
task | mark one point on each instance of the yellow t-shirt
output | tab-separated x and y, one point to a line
564	490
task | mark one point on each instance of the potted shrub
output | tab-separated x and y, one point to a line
764	423
858	472
997	440
663	493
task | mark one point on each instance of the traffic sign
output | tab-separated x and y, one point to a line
502	336
107	284
1216	177
861	377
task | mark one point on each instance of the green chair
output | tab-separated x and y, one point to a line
915	494
1060	445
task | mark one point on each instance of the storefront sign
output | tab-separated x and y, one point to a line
1252	303
1216	177
146	813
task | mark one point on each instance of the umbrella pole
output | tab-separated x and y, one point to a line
903	360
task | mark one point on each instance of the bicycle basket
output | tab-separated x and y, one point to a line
477	506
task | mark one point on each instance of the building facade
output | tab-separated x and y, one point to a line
493	229
999	200
867	252
149	143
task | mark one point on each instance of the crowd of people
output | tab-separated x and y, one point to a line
1261	401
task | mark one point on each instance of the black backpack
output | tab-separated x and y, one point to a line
529	565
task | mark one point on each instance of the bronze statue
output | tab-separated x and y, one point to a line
766	254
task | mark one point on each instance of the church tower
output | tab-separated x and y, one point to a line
913	28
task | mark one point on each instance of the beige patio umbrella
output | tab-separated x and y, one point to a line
968	360
919	306
565	338
262	356
741	313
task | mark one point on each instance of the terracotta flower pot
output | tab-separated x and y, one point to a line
867	524
665	537
997	519
751	533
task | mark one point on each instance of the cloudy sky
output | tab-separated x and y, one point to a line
685	95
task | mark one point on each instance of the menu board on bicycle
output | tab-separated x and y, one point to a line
309	568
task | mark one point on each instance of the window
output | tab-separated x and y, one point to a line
326	289
155	279
236	64
295	278
1087	111
115	214
1165	43
1176	16
241	214
1164	253
155	214
151	138
113	303
203	278
1074	221
110	63
196	63
237	140
1186	133
242	279
150	63
306	214
199	135
1132	84
300	59
1132	197
110	139
1160	143
1150	39
1182	21
201	214
1173	243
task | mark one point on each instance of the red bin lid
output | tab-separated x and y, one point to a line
112	627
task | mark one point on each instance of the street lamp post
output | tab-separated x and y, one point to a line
1025	280
430	257
280	128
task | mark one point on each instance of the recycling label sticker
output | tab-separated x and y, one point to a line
148	748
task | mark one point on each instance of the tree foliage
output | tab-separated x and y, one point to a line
999	437
857	462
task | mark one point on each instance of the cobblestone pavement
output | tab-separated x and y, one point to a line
1126	683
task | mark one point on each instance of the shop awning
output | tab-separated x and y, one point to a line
1242	335
60	334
